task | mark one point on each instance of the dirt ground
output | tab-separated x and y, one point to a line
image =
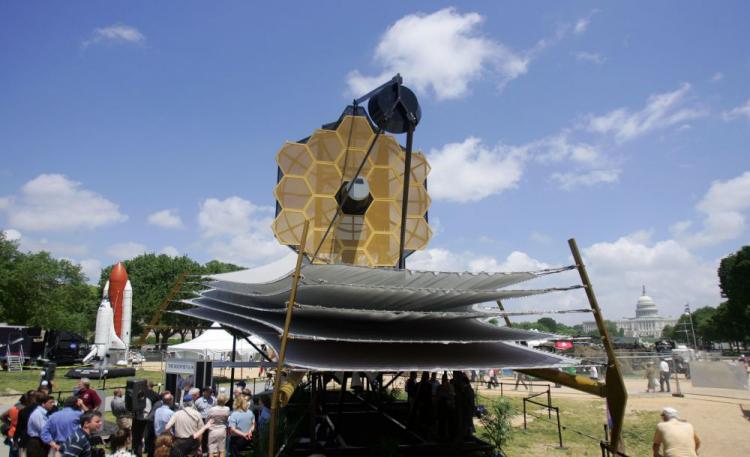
721	417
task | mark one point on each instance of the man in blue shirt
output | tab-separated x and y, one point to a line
163	413
63	423
36	447
79	443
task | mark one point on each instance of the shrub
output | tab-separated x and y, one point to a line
496	423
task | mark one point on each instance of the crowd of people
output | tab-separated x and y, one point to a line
443	409
198	423
39	427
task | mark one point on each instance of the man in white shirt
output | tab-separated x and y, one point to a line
664	375
676	436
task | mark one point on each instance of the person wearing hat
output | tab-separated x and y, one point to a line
675	436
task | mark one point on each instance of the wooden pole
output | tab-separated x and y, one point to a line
616	393
505	316
284	337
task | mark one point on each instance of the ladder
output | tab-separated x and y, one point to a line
15	361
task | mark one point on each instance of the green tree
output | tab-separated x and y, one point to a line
548	324
611	329
733	316
41	291
215	267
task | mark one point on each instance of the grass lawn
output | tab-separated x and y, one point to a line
585	416
29	379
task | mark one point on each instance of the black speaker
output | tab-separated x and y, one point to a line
170	383
135	394
203	374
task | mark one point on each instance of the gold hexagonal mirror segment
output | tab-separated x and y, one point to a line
321	210
356	257
294	159
419	201
355	132
324	178
419	167
418	234
388	153
325	145
351	232
288	226
383	216
382	248
385	183
327	249
349	162
292	192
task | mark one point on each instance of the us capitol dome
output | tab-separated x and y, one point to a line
647	322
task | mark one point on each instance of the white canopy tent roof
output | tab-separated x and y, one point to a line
215	344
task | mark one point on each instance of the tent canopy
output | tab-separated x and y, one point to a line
215	344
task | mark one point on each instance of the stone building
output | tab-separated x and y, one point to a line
647	322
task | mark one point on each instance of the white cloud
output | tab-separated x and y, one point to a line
435	259
117	33
171	251
12	234
718	76
92	268
238	231
53	202
470	171
592	57
581	25
723	207
739	112
571	180
440	259
672	274
540	237
125	251
661	111
559	147
232	216
516	261
442	52
166	218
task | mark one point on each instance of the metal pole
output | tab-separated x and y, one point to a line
616	393
559	429
231	376
405	196
524	414
284	337
549	403
692	328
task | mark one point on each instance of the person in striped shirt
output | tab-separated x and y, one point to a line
79	443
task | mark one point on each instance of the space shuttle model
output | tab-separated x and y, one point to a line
113	318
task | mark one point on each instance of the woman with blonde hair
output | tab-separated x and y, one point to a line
217	433
241	426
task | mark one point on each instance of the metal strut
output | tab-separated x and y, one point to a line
613	389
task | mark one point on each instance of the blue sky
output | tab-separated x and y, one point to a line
152	126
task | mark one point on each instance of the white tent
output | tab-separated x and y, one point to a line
215	344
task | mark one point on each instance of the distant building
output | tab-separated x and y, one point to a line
646	324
